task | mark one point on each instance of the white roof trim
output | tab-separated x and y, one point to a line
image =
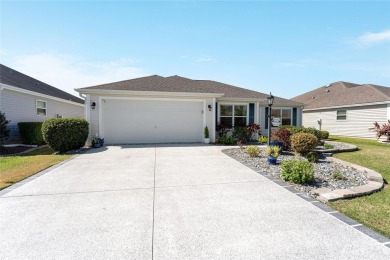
262	102
5	86
346	106
147	93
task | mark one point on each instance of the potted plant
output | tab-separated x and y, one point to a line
276	142
273	153
95	142
206	136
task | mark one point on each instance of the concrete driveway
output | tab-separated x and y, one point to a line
182	202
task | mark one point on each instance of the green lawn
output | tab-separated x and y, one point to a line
372	210
17	168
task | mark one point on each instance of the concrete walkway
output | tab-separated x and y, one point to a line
182	202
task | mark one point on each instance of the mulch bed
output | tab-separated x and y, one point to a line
13	150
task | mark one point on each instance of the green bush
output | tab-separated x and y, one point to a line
226	140
328	146
253	151
296	129
4	131
324	134
241	134
297	171
64	134
206	132
31	132
337	176
312	157
302	143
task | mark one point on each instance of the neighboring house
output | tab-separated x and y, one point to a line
25	99
346	109
173	109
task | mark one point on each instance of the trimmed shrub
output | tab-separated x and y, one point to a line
282	135
226	140
312	157
297	171
253	151
64	134
296	129
241	134
4	131
324	134
302	143
31	132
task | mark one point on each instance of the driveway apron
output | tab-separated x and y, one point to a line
169	202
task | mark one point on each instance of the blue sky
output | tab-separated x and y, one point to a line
287	47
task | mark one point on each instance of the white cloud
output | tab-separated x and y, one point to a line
205	59
373	38
67	72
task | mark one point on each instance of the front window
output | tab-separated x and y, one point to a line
41	108
233	115
342	114
281	116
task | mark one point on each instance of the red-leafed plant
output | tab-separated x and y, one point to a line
283	135
252	130
382	130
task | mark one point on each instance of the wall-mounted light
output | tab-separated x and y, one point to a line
93	105
209	107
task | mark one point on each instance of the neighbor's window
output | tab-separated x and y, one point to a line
342	114
233	115
284	114
41	108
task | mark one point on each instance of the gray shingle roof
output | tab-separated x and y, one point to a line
343	94
186	85
15	78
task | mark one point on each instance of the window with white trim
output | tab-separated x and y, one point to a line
283	114
341	115
233	115
41	108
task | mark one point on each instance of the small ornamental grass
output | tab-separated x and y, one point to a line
297	171
253	151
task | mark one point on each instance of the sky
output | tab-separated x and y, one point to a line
283	47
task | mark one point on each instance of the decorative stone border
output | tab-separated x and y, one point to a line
351	148
375	183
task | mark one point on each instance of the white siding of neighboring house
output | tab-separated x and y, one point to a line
94	114
359	120
21	107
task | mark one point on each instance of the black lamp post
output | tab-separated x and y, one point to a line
270	99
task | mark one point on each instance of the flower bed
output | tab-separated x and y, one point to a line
327	174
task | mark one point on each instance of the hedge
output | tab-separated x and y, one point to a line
64	134
31	132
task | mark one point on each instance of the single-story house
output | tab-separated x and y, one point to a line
157	109
346	109
25	99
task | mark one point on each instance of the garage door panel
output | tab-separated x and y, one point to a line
129	121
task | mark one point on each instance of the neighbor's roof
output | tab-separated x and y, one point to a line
343	94
16	79
186	85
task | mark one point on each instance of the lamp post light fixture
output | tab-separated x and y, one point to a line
270	99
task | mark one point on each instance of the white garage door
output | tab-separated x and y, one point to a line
138	122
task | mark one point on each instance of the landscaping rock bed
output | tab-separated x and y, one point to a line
323	171
337	147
